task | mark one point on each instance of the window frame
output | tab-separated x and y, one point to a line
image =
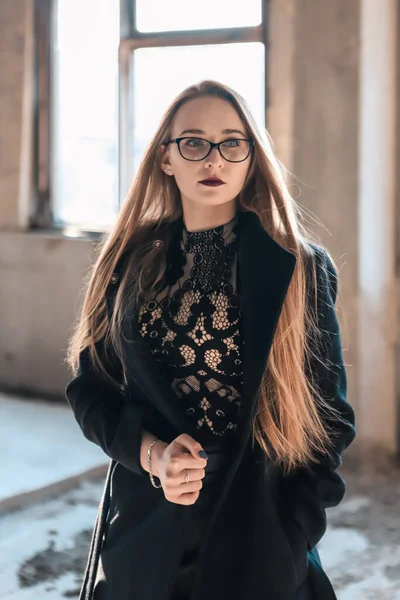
41	213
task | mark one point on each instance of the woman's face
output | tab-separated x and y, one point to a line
213	119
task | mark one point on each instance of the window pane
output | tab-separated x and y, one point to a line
176	15
85	173
241	66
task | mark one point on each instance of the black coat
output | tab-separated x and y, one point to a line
262	535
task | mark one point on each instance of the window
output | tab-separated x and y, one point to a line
177	15
174	68
85	125
100	65
169	46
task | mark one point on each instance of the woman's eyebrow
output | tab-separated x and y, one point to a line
201	132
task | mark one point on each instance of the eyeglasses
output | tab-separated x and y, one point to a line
232	149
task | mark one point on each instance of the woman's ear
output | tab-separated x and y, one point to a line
166	167
165	164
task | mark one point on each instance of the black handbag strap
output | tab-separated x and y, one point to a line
97	538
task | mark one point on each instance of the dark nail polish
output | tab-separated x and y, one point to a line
203	454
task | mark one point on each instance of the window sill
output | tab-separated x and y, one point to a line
66	233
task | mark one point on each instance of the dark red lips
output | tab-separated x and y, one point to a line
212	181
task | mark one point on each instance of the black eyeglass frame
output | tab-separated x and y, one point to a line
212	145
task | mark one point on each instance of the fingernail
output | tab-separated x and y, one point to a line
203	454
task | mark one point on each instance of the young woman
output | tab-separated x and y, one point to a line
208	366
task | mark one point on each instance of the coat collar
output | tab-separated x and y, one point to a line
265	270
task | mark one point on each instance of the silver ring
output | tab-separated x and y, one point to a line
187	476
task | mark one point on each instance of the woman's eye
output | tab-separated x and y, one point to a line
193	142
232	143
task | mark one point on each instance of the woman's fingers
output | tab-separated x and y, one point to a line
180	456
188	499
180	477
180	461
193	447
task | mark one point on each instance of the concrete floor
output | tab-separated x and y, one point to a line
361	550
43	548
43	445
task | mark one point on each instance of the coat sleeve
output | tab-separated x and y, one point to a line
314	489
107	416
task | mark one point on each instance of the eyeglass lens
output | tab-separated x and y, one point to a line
196	149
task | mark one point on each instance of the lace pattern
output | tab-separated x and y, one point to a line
193	328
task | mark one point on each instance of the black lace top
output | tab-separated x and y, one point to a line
193	328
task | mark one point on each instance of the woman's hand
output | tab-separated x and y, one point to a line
169	464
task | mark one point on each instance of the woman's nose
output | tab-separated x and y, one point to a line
214	157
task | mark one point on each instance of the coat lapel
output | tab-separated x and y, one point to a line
265	270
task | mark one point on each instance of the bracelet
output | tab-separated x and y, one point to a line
149	464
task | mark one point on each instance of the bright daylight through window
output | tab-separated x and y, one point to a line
85	118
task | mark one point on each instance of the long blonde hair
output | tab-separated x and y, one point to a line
290	421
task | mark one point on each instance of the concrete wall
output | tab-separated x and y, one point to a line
333	113
325	142
13	48
378	334
40	282
40	273
315	46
